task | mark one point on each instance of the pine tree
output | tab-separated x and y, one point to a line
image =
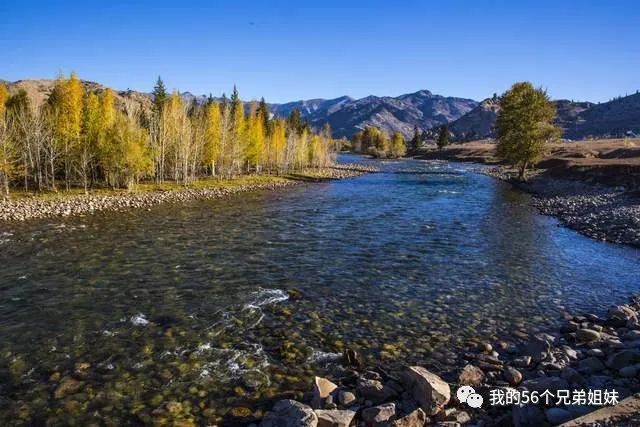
443	137
263	110
417	138
159	94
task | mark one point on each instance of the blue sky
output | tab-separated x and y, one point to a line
284	51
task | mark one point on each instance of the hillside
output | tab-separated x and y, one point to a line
579	120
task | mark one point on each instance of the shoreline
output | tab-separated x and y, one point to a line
72	204
585	352
583	185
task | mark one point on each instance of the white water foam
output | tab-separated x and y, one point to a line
139	320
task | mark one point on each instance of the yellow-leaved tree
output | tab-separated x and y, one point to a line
213	136
128	157
7	152
255	137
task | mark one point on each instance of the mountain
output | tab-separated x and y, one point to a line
618	117
578	120
400	114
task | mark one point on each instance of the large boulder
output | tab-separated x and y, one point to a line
538	348
322	388
373	390
429	390
289	413
334	418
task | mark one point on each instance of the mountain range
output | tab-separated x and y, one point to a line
466	118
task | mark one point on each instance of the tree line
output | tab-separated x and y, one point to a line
81	137
377	143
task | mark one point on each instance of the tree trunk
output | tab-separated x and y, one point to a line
523	168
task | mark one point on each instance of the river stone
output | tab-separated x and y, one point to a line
628	371
572	376
558	415
334	418
591	365
619	315
622	358
379	414
527	416
428	389
67	386
322	388
289	413
587	335
512	375
372	390
522	361
346	398
471	375
538	348
416	418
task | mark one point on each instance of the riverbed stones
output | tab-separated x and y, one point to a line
379	414
545	383
623	358
416	418
429	390
587	335
322	388
537	348
346	398
471	375
67	386
289	413
372	390
591	365
522	361
334	418
557	415
619	315
512	375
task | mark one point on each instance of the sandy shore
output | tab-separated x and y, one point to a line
592	187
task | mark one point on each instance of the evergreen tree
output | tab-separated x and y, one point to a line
159	95
417	138
443	137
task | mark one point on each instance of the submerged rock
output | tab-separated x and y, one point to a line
471	375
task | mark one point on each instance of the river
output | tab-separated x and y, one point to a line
231	302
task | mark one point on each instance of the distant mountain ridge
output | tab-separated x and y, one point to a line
616	118
465	117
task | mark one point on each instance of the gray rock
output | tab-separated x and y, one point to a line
416	418
522	362
346	398
591	365
628	371
596	352
373	390
512	375
623	358
289	413
620	315
428	389
379	414
471	375
572	376
322	388
334	418
527	416
558	415
538	348
587	335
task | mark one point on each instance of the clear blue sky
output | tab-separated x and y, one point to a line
284	51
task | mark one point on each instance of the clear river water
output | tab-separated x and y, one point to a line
186	311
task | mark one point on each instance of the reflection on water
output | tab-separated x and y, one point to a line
185	313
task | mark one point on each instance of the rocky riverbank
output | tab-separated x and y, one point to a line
589	365
592	187
71	205
603	212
